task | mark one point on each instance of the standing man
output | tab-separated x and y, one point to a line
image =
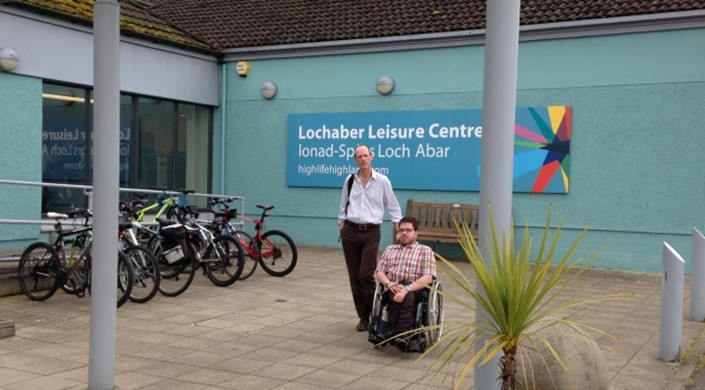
363	203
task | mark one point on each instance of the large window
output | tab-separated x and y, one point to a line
194	155
156	135
65	148
162	144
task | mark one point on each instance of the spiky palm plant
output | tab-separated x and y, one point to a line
519	294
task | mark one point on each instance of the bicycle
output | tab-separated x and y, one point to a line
273	250
167	275
221	256
175	262
43	267
174	270
147	275
162	205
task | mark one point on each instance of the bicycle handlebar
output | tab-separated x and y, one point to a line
222	201
181	212
165	189
75	214
84	213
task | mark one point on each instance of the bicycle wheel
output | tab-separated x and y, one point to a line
125	279
146	274
277	253
39	271
176	276
251	252
224	261
77	279
154	245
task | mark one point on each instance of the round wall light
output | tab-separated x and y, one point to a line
385	85
269	90
8	59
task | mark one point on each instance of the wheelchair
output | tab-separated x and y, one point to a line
429	312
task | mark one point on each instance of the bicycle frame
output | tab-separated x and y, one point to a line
130	235
141	228
252	251
273	250
71	263
225	226
162	204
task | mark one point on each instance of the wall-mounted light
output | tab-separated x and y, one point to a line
8	59
69	99
269	90
385	85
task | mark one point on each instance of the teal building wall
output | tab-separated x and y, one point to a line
637	163
21	157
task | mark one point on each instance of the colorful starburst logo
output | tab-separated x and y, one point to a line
542	155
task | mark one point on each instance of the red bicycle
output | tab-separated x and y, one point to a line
274	250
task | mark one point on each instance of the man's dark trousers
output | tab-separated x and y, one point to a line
401	315
360	247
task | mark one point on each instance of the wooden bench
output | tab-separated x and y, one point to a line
436	220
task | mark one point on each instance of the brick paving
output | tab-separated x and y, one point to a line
297	332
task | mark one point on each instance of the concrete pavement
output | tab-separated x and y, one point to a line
297	332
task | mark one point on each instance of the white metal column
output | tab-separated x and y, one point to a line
499	112
106	169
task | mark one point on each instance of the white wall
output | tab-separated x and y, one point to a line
61	51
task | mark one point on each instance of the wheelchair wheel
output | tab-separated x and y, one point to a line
376	318
434	314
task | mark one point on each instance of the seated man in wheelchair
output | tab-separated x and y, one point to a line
403	273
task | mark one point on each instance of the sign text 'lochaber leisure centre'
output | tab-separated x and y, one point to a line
427	150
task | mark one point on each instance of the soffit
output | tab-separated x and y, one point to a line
135	20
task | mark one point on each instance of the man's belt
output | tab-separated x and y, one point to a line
362	226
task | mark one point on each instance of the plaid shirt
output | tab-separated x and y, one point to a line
407	263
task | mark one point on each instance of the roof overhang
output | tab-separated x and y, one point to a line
561	30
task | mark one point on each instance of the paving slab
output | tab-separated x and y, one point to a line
297	332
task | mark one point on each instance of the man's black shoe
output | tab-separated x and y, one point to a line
363	325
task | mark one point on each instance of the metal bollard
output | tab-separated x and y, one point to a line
672	285
697	285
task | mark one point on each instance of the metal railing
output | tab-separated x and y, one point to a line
88	191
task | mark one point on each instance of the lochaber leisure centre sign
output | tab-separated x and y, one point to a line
427	150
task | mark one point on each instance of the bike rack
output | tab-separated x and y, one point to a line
88	190
4	257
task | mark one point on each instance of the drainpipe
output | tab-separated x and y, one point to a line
223	96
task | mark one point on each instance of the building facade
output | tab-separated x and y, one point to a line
634	87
